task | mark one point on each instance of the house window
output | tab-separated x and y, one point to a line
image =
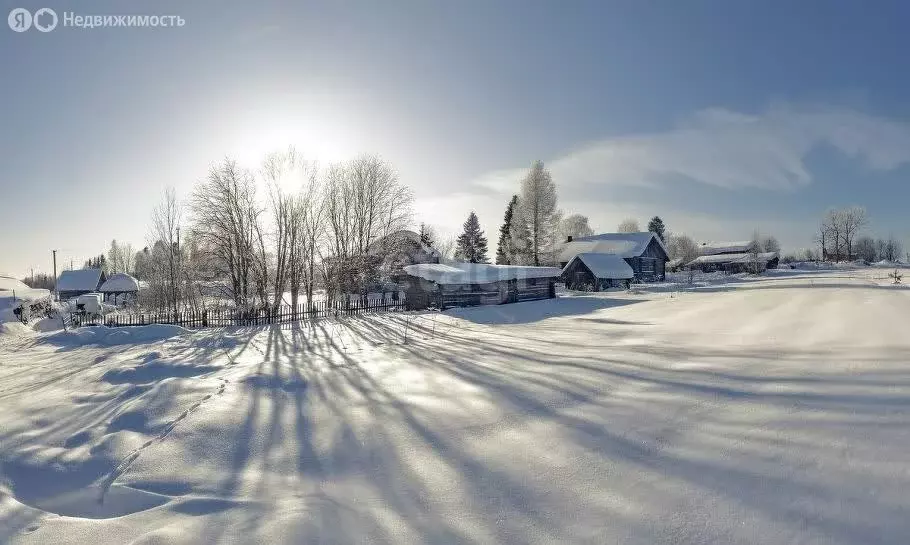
648	265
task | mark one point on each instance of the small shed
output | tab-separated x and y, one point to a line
470	284
120	285
595	272
78	282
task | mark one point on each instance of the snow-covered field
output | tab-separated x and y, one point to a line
772	410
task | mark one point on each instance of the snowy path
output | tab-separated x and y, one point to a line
768	411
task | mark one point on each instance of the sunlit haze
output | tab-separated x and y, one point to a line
722	118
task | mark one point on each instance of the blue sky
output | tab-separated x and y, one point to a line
721	117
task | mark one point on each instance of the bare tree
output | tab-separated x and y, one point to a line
830	235
364	202
311	213
682	247
769	243
852	219
865	248
628	225
166	237
446	246
536	215
226	217
891	249
289	179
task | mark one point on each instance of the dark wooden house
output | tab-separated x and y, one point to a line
644	252
470	284
733	257
596	272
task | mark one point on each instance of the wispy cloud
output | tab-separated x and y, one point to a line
728	149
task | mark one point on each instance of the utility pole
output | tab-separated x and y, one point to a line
55	273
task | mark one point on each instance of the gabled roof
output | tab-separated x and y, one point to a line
621	244
477	273
120	283
712	248
604	266
79	280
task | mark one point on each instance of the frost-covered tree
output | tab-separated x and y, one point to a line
504	253
656	226
889	249
472	244
120	257
574	225
628	225
769	243
682	247
520	242
536	214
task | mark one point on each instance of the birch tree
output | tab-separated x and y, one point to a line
226	217
537	213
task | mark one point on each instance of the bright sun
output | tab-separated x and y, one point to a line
319	142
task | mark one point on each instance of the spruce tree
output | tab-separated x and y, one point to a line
504	252
656	226
472	244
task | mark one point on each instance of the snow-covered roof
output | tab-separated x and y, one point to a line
119	283
605	265
621	244
712	248
477	273
733	258
79	280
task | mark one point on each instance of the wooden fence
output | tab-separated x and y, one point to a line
263	316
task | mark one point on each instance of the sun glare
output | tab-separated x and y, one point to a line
321	143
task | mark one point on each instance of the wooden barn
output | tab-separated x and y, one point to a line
733	257
470	284
735	263
78	282
644	252
596	272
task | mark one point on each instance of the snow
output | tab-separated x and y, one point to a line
13	290
120	283
621	244
606	266
711	248
477	273
79	280
733	258
774	409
